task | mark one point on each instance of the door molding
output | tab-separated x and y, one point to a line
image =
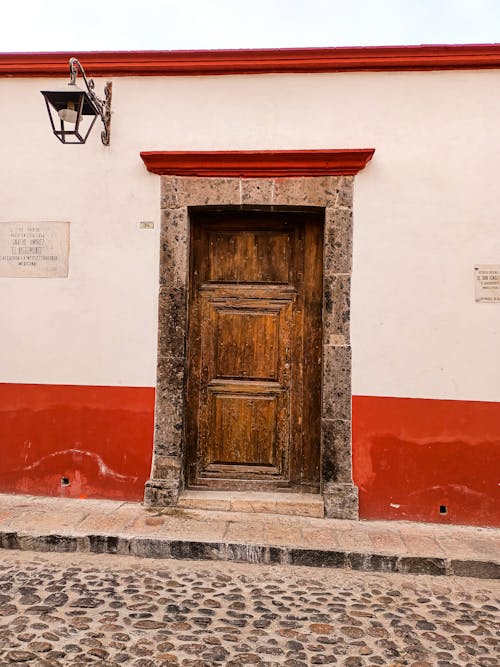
178	195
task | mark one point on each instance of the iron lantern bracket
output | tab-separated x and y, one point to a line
103	107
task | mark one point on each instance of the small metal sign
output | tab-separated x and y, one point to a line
487	283
34	249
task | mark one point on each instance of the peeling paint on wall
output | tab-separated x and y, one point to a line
427	460
72	441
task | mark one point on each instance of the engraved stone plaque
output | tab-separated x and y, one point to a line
34	249
487	283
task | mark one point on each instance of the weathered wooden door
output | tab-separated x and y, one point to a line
254	350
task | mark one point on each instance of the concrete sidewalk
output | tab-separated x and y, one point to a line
104	526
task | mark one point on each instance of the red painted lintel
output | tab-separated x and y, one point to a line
258	164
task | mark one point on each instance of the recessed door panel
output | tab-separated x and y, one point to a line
243	428
246	341
253	256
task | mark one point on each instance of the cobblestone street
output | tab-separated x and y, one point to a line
58	609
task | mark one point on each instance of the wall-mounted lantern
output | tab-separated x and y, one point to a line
73	111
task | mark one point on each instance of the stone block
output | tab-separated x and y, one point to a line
9	540
196	550
246	553
336	310
338	241
277	556
166	468
109	544
118	520
321	537
258	191
302	506
6	515
193	191
168	192
420	545
336	450
56	543
52	519
319	191
174	246
285	531
170	380
204	501
317	558
169	432
475	568
345	192
322	190
254	532
419	565
258	505
172	322
169	429
150	548
388	542
341	501
372	562
289	192
336	382
162	492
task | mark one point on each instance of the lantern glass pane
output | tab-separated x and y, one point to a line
70	133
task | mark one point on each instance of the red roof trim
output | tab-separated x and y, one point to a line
255	61
258	164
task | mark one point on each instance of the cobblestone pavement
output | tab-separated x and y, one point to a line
58	609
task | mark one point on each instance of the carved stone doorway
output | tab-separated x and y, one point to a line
180	194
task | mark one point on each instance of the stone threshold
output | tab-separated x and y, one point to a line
145	547
257	502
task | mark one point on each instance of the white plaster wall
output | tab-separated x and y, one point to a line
426	210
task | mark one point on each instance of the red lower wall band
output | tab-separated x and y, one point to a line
413	459
76	441
427	460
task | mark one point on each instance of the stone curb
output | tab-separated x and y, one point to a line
146	547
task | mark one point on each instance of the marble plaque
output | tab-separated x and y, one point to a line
34	249
487	283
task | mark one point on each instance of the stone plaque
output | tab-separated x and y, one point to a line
487	283
34	249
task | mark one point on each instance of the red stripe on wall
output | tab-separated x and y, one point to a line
413	457
256	61
99	439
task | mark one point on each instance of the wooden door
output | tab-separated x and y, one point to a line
254	350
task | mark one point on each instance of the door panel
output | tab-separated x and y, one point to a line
246	351
245	342
243	427
249	256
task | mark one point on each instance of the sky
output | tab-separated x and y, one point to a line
111	25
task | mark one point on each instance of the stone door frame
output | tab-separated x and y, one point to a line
180	193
